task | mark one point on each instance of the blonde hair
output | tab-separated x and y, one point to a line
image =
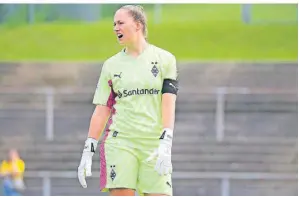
138	14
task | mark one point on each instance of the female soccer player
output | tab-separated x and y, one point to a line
135	104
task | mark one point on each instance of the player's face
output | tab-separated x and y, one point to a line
125	27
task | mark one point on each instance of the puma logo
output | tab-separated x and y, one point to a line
172	85
119	76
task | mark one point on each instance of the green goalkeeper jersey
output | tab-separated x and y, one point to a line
132	88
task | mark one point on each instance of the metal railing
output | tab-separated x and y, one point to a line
225	177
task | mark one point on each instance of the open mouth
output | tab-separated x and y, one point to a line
120	35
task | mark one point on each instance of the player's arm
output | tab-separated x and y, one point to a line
98	122
168	110
169	92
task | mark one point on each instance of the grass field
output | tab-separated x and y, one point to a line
191	32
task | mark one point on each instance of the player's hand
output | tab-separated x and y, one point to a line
84	169
163	153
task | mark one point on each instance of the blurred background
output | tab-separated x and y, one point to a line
236	118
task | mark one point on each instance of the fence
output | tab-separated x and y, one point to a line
32	13
251	13
225	178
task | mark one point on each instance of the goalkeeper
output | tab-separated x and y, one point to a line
135	108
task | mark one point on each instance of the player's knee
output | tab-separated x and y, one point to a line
121	192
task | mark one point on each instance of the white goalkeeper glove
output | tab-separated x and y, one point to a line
163	153
84	169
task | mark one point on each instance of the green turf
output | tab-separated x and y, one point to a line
191	32
274	13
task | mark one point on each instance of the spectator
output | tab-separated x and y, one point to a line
12	171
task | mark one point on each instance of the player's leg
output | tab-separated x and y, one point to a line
150	183
119	168
155	194
122	192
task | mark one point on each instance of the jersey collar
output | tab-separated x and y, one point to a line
140	55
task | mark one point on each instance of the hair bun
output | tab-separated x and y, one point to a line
140	7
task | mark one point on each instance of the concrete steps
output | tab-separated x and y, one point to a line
271	74
260	129
236	124
176	157
190	153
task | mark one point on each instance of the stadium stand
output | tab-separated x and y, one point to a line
260	131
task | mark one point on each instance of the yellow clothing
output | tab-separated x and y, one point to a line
15	169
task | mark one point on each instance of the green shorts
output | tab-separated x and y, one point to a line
126	167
